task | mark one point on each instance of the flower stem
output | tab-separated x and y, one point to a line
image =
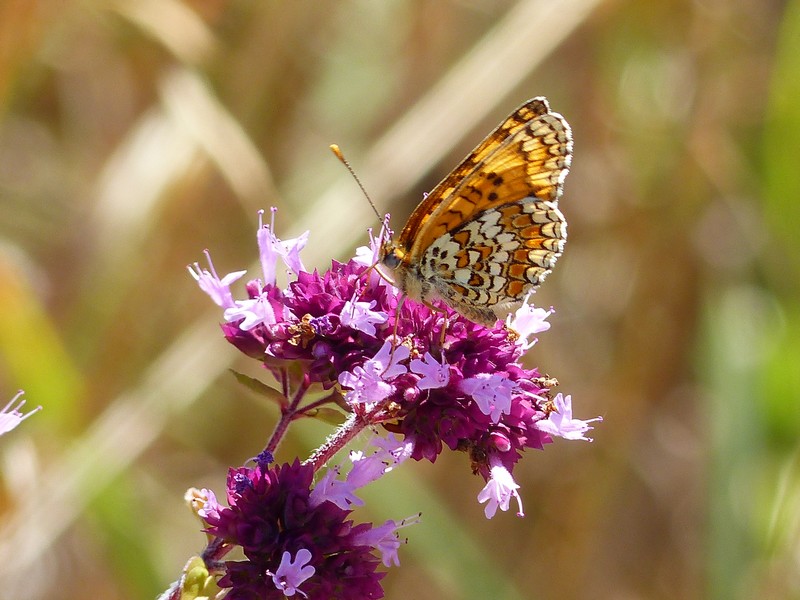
354	424
287	415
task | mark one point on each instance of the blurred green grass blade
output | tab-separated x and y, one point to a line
782	136
750	367
34	355
779	379
444	546
127	538
728	364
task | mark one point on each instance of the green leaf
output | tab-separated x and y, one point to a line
260	388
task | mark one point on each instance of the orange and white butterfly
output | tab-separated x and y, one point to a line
490	231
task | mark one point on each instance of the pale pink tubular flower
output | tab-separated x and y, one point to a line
218	289
561	423
254	311
290	574
211	506
385	539
369	256
499	490
434	374
366	469
528	320
203	503
391	452
394	450
492	393
360	316
368	383
11	417
329	489
270	248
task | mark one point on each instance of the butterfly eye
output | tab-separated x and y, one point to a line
390	256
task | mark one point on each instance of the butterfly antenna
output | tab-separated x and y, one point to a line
335	149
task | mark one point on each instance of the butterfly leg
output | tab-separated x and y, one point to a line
445	323
400	299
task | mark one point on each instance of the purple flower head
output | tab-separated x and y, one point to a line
264	459
270	514
11	417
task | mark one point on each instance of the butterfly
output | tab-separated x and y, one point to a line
491	231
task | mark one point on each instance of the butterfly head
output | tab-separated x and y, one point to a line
394	259
391	254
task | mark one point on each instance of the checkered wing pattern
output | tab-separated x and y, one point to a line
491	231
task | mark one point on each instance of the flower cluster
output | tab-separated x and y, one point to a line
432	377
276	520
297	537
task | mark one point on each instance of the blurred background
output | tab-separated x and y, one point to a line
136	133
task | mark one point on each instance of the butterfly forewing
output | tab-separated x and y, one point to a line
528	154
491	230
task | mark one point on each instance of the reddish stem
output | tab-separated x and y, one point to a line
354	424
287	415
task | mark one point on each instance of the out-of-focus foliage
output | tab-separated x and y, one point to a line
136	133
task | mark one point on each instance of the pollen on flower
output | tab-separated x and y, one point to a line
302	332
